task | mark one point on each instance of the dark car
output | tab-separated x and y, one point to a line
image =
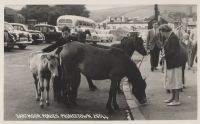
23	39
9	41
50	32
37	36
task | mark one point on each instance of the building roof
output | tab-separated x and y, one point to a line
168	19
135	22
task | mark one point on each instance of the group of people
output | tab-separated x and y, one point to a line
164	39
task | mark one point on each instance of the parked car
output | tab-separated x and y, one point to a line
9	41
37	36
94	38
105	35
50	32
23	39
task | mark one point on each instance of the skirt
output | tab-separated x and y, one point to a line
173	78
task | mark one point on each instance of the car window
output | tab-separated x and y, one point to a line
51	29
42	29
19	27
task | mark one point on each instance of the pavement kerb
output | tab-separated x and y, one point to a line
131	101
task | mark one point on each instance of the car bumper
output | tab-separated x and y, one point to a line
24	42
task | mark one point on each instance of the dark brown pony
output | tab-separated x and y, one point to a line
100	64
128	45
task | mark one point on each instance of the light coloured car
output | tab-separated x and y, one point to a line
94	38
22	38
105	35
37	36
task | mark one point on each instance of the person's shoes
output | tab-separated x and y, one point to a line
168	100
174	103
155	68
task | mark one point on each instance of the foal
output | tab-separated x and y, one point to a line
44	66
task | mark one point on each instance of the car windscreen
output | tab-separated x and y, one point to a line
19	27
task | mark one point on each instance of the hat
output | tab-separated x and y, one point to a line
65	28
165	28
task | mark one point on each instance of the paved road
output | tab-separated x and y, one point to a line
157	109
19	95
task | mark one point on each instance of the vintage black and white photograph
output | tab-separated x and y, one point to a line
100	62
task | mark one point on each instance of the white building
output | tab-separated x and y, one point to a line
113	23
129	25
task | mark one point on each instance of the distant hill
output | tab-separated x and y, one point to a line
137	11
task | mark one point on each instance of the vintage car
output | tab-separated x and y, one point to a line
50	32
94	38
105	35
37	36
9	40
22	38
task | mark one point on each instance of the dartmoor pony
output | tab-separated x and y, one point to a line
44	66
100	64
128	45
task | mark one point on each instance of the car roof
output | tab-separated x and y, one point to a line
43	25
16	24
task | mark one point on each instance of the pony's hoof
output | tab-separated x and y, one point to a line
41	106
93	88
116	107
168	91
47	103
110	110
37	99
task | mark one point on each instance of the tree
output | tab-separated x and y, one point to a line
45	13
38	12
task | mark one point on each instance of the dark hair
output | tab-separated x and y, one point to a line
165	28
65	28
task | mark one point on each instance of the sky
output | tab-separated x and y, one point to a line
89	7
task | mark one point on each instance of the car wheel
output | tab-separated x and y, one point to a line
22	46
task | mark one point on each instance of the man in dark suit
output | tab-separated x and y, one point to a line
154	44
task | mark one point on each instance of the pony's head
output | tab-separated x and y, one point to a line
53	64
139	47
138	83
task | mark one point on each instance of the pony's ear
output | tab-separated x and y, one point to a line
49	56
56	55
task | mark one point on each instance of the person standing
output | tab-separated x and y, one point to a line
63	40
154	44
173	71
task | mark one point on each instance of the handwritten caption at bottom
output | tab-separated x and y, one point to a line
62	116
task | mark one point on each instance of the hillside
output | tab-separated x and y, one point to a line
136	11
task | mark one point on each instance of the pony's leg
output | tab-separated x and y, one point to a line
47	91
119	90
116	106
92	87
36	86
112	92
41	82
74	86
